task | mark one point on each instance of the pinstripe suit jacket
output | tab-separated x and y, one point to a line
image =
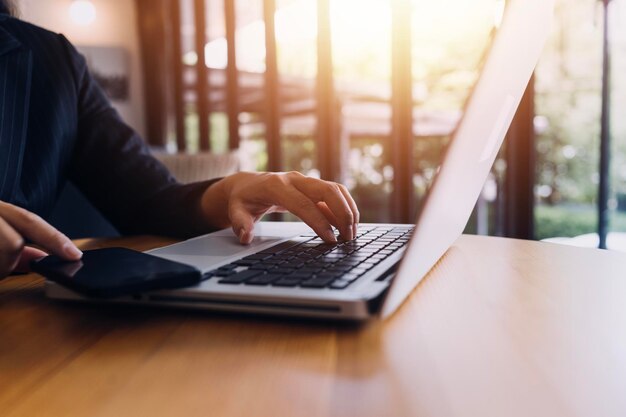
56	125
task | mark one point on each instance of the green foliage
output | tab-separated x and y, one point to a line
559	221
568	103
570	221
568	100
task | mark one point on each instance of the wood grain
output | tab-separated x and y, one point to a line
499	328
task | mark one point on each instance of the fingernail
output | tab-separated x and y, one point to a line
245	238
71	251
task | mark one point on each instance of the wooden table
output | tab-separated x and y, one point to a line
499	328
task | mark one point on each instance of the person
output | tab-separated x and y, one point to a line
56	125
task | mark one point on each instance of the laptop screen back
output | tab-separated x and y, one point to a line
508	68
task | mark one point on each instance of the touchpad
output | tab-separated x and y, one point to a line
209	250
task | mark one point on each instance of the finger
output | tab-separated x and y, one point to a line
302	206
37	230
353	207
328	214
28	255
242	222
329	193
11	244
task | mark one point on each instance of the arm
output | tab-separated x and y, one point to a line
113	167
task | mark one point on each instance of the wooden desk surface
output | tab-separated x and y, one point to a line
499	328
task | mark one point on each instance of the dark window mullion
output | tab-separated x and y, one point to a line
402	111
202	76
604	187
272	90
151	22
177	73
519	198
329	149
232	76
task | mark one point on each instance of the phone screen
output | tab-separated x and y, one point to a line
113	272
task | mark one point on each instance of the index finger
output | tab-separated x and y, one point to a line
300	205
353	206
331	194
39	232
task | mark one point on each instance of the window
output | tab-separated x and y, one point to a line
366	92
568	123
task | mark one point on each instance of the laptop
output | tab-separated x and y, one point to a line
289	271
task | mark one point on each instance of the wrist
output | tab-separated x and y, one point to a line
214	203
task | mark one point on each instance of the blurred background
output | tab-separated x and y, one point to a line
366	92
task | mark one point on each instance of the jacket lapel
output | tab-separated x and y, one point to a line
15	79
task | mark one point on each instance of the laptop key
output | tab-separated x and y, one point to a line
310	269
240	277
274	261
282	257
293	264
368	251
244	262
339	269
349	277
359	271
262	267
367	265
357	256
287	282
299	276
281	271
280	247
340	284
318	282
349	262
265	279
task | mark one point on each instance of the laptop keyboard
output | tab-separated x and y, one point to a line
309	262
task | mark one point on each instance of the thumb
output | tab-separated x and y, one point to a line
28	254
242	223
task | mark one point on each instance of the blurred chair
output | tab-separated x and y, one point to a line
199	167
75	216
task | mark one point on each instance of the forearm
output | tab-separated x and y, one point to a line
176	211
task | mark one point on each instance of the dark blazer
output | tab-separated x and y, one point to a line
56	125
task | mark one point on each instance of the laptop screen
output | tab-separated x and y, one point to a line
508	67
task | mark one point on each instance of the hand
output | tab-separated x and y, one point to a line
242	199
16	224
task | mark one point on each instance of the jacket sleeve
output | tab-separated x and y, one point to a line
113	167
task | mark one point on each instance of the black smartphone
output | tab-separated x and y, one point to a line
113	272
